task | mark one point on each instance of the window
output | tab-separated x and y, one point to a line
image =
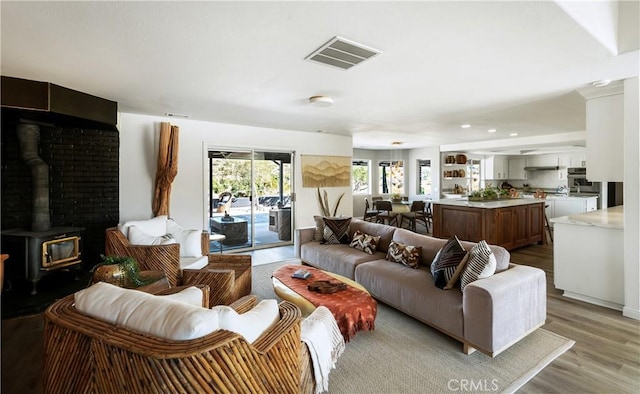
424	177
360	179
391	177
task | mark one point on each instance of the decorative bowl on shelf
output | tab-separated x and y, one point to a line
461	159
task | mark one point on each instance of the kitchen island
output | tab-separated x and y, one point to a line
588	256
510	223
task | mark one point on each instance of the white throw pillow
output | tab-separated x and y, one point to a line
139	237
250	324
189	240
146	313
481	264
156	226
191	295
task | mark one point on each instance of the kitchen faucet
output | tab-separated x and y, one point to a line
577	185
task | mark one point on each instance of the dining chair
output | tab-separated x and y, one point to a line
385	213
370	215
416	213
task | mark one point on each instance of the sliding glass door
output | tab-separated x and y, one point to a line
250	199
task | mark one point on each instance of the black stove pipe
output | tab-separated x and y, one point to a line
29	137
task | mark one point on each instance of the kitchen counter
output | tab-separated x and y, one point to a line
588	256
510	222
501	203
606	218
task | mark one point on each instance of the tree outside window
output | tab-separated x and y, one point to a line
424	177
360	176
391	177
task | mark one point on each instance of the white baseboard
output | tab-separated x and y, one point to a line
631	313
591	300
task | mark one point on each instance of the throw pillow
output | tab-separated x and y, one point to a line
336	230
191	295
189	240
139	237
318	235
458	272
408	255
481	264
156	226
250	324
364	242
447	259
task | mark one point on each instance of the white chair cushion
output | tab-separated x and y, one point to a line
189	240
156	226
139	237
194	263
191	295
171	317
146	313
250	324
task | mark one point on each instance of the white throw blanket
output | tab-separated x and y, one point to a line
325	342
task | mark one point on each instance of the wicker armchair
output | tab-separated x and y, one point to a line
228	276
83	354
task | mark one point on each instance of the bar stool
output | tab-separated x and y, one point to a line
546	223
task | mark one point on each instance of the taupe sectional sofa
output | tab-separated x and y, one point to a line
490	314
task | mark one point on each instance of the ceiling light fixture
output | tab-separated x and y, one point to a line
601	83
321	101
172	115
396	143
513	134
492	130
465	126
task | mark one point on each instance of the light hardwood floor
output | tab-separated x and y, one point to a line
605	358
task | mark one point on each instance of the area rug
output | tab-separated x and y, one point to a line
404	355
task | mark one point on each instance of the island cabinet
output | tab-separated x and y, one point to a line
510	224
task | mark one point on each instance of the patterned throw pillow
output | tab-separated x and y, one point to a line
318	235
408	255
336	230
481	264
446	261
365	242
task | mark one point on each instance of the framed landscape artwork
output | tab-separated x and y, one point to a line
325	171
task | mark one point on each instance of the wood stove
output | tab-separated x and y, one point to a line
34	254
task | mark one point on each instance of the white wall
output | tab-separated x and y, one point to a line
139	136
631	200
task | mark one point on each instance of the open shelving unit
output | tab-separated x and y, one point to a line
459	175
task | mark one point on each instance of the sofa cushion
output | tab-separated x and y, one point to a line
139	237
340	259
408	255
364	242
189	240
336	230
412	291
193	263
481	264
156	226
446	261
376	229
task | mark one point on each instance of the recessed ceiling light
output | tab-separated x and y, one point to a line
321	101
492	130
513	134
396	143
465	126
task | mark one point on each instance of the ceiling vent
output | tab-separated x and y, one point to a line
342	53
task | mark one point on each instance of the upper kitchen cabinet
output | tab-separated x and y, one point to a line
495	167
605	132
516	168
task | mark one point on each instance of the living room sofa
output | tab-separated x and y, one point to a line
489	315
